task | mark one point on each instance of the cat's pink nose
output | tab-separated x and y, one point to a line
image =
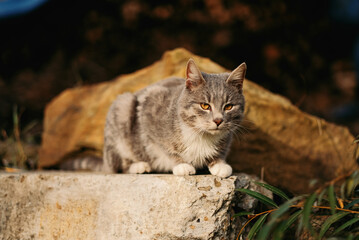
218	121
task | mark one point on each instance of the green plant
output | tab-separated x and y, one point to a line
330	212
19	149
356	149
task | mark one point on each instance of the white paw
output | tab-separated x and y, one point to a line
221	169
139	167
183	169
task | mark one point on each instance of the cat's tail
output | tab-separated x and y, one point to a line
83	163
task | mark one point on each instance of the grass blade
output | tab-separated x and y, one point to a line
350	237
258	224
274	217
273	189
290	220
242	214
264	199
299	226
351	204
307	210
350	186
278	234
342	191
279	231
282	209
345	225
332	199
264	232
320	197
332	219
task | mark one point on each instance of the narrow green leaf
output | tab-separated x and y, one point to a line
264	232
342	190
279	231
355	174
282	209
351	204
350	237
350	186
352	182
332	219
264	199
332	199
290	220
242	214
307	210
299	226
275	190
345	225
274	218
320	197
258	224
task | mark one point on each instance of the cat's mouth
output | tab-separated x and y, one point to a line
215	130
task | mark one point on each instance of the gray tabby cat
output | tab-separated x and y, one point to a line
176	125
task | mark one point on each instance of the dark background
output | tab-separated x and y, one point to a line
294	48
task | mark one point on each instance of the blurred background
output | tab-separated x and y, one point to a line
305	50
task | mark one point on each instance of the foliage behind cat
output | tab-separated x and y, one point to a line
176	125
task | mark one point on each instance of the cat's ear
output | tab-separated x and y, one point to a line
194	76
236	77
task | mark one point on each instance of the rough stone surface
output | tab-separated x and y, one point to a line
120	206
288	145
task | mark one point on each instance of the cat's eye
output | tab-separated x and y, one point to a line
205	106
228	107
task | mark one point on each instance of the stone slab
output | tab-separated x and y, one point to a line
59	205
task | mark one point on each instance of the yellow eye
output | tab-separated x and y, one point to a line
228	107
205	106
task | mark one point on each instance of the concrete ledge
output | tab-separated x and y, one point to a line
57	205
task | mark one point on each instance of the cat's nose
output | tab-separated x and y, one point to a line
218	121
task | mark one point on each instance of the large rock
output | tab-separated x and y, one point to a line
120	206
288	145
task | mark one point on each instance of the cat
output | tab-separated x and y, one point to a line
176	125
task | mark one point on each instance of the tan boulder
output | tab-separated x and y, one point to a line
288	145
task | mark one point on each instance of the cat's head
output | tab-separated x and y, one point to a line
212	103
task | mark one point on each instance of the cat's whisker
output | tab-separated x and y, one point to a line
249	124
239	131
243	130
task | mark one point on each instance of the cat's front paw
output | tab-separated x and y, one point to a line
183	169
221	169
139	167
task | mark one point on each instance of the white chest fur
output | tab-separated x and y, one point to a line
198	147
